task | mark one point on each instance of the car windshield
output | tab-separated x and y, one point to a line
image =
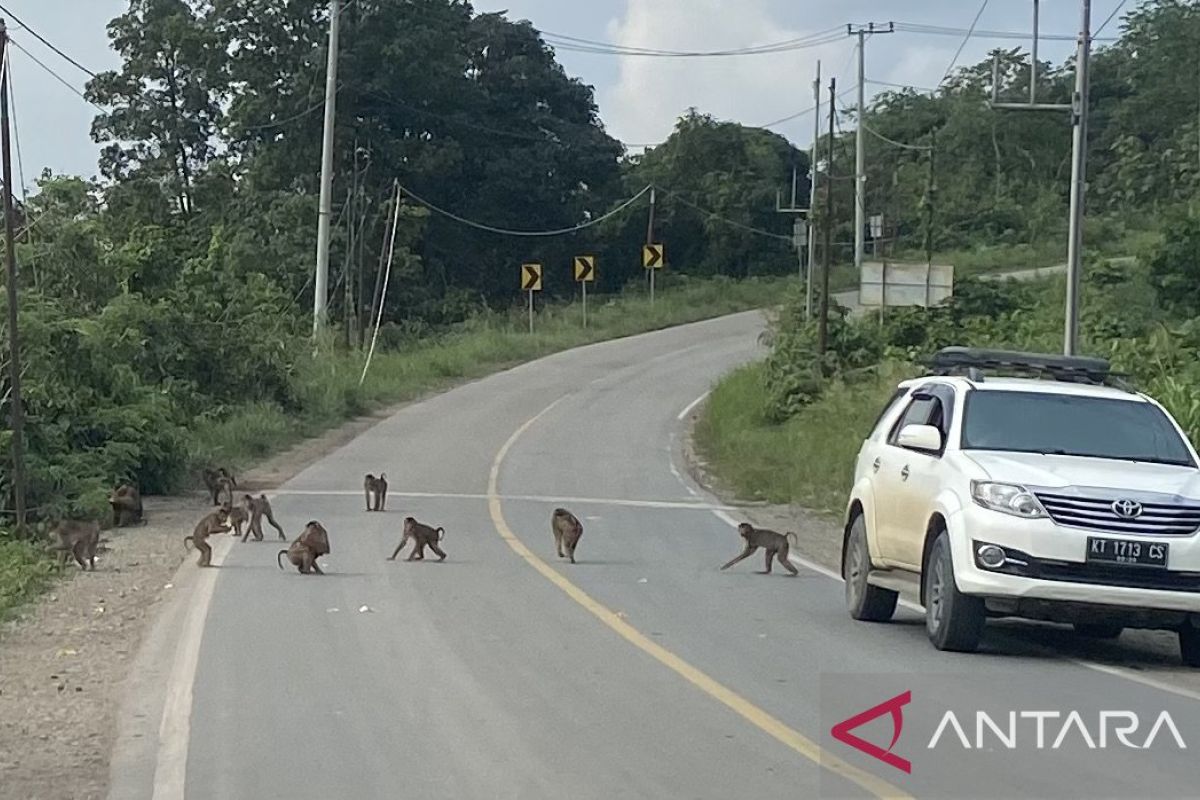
1071	425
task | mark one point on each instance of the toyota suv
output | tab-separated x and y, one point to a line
1022	485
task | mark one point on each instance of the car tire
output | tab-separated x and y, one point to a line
1189	645
953	620
1098	630
864	601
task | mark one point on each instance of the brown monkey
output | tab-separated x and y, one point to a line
212	523
79	539
238	516
218	481
126	502
311	544
776	545
259	507
375	490
567	530
423	536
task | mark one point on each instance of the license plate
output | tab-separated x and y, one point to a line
1124	551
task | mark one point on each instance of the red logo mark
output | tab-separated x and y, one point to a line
842	733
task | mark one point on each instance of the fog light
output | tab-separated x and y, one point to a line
991	556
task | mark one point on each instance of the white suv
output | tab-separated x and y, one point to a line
1061	497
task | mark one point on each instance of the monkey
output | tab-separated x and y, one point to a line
375	490
311	544
238	516
212	523
567	531
218	481
259	507
767	338
422	536
126	502
79	539
776	545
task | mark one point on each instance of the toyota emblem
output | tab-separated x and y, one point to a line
1127	509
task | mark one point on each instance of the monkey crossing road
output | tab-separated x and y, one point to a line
504	671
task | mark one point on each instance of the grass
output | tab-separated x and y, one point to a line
25	570
808	460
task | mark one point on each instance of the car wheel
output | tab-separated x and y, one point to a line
1098	630
1189	645
953	620
865	602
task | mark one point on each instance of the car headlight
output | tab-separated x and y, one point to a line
1007	498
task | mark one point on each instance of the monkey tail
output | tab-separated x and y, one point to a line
187	539
441	532
793	538
279	557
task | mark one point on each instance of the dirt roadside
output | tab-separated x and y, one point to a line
63	660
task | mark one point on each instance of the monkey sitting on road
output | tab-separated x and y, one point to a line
257	508
423	536
213	523
79	539
776	545
375	490
567	530
311	544
126	502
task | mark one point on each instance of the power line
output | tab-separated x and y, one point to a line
982	7
510	232
44	41
577	44
726	220
1109	19
940	30
54	74
16	129
899	85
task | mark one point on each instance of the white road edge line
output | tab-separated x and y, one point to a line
170	770
695	505
692	405
1107	669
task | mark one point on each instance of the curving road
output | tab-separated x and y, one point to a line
640	672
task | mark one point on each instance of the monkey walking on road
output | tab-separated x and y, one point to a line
567	531
257	508
423	536
776	545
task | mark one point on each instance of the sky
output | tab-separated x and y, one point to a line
639	98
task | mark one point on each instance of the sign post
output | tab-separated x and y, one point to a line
585	273
531	281
653	256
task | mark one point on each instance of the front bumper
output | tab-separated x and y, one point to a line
1055	568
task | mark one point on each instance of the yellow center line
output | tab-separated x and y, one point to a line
714	689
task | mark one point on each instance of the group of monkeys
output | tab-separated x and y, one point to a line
81	539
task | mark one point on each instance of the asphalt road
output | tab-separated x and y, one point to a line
640	672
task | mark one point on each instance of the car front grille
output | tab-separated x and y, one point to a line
1097	514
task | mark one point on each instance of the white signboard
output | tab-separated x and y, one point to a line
890	284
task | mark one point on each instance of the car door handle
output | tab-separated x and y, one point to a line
904	473
875	466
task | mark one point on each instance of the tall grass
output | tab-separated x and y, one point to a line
25	569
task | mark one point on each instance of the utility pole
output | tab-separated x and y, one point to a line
325	212
812	197
930	198
17	409
1078	182
860	145
823	321
650	240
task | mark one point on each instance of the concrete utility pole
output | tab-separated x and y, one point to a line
1078	181
812	197
860	147
17	409
823	321
650	240
325	212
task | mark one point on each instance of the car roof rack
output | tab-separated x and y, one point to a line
974	362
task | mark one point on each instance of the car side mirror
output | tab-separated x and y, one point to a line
920	437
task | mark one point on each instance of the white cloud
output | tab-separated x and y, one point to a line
650	93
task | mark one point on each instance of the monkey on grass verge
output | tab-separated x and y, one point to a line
126	502
776	545
79	539
423	536
567	531
375	490
257	508
219	481
212	523
311	544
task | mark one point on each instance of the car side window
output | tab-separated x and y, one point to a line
892	402
932	404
